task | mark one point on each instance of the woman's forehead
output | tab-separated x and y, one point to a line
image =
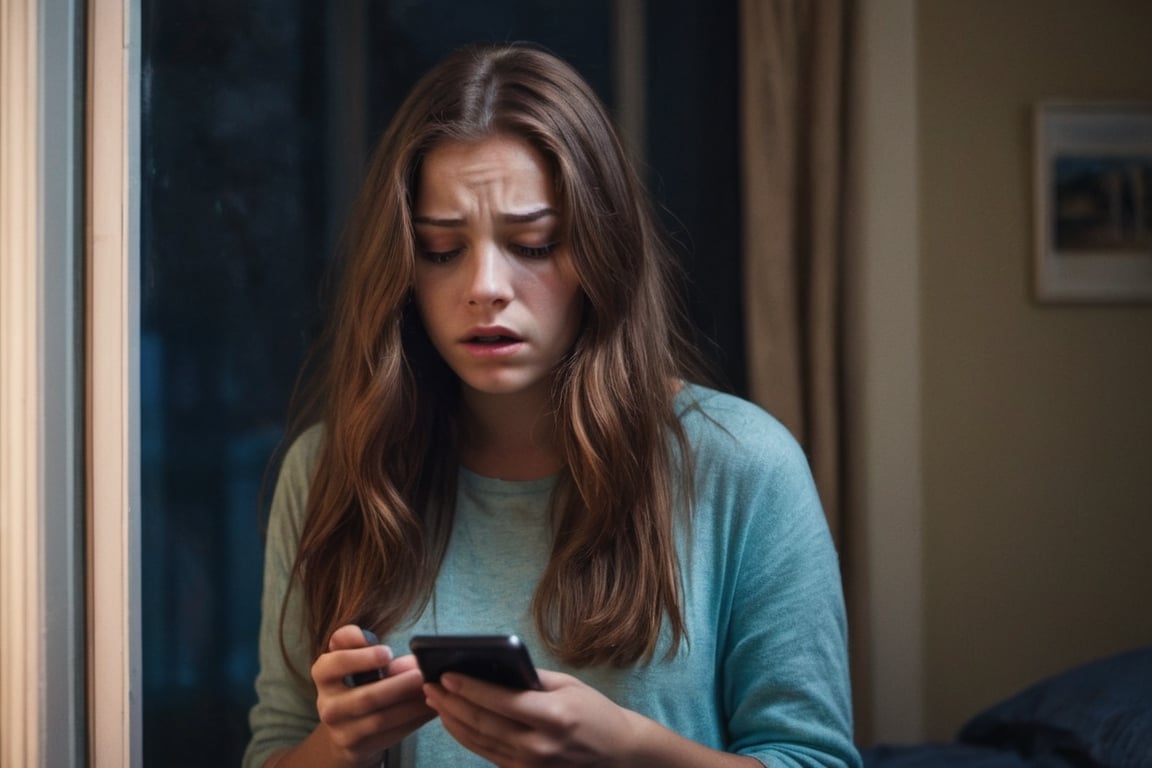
501	170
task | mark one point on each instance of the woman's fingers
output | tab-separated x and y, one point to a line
368	719
463	705
402	664
567	723
348	636
375	712
330	669
380	727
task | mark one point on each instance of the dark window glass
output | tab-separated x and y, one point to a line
256	119
233	220
693	159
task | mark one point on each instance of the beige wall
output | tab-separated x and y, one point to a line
1037	420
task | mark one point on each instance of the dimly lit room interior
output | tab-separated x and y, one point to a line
886	245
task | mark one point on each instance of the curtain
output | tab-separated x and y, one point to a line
793	103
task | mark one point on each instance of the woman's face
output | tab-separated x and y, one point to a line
495	285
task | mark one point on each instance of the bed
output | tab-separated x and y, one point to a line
1098	715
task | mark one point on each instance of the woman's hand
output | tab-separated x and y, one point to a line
568	723
358	724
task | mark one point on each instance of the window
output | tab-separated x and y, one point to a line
256	118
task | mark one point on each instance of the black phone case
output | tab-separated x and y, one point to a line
500	659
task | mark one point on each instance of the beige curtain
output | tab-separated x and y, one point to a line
793	103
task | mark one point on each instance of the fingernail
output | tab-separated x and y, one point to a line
370	637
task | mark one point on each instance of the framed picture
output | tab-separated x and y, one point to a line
1093	223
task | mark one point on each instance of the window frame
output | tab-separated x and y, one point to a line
42	550
112	363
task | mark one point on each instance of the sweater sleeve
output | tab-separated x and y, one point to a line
285	709
784	663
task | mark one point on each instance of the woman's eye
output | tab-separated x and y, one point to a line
438	257
535	251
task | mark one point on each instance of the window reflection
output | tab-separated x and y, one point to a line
232	221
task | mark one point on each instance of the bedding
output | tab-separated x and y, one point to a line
941	756
1098	715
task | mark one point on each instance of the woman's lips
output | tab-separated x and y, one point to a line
494	342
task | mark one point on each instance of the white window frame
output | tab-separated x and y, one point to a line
113	471
22	589
42	633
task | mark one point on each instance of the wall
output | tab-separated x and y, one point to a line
883	558
1037	420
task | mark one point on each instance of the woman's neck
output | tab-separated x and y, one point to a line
509	437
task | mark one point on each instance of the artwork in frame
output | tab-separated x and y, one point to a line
1093	169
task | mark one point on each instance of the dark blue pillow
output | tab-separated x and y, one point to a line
1098	714
941	756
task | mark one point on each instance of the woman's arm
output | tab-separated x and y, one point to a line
763	557
783	674
655	746
285	709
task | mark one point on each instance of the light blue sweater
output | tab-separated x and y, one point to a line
764	672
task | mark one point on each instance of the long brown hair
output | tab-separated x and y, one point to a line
380	506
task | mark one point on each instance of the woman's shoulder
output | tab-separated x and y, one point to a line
300	458
290	500
746	462
709	415
733	437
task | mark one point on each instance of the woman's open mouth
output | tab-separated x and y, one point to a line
492	341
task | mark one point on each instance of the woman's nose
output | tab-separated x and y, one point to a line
491	276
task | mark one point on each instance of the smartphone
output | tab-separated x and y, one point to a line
500	659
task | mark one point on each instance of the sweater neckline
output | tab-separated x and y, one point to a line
479	482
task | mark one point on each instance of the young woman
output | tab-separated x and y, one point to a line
508	441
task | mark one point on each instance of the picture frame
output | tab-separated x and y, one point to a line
1093	202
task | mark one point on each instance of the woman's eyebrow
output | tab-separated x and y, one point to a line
507	218
435	222
527	218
